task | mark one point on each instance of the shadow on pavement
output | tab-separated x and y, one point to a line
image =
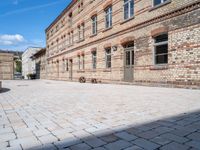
4	90
180	132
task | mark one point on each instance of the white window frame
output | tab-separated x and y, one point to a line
129	9
79	33
94	25
106	55
94	60
108	14
83	62
154	50
162	2
79	62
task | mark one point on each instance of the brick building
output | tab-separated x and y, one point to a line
6	66
134	41
40	63
28	64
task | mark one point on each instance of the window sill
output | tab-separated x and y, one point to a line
107	29
159	67
70	45
80	71
107	70
93	35
127	20
80	40
160	5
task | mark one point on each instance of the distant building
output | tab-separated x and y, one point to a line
6	66
40	63
28	64
10	64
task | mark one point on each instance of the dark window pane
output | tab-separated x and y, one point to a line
128	58
132	57
161	59
161	38
157	2
161	49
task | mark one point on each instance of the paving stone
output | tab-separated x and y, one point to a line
194	136
26	143
94	142
81	146
3	145
180	132
134	148
43	147
7	136
126	136
147	145
194	144
118	145
41	132
66	143
174	146
161	140
148	134
6	130
99	148
174	138
109	138
13	148
162	130
48	139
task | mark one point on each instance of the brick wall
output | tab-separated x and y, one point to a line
179	18
6	66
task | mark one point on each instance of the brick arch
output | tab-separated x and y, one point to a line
159	31
93	49
127	40
93	14
107	4
107	45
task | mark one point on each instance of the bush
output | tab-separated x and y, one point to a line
31	76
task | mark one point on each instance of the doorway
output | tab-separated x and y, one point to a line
128	62
71	69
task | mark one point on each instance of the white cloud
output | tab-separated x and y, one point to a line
7	39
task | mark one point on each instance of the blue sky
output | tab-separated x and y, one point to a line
23	22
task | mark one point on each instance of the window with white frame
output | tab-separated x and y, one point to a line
83	62
94	59
66	65
158	2
94	25
128	9
81	30
108	17
79	62
108	57
161	49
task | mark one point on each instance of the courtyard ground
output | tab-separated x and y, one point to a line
42	114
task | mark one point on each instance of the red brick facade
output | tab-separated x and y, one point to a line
176	18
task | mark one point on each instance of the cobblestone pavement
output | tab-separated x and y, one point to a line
48	115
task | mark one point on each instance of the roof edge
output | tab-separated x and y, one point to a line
61	14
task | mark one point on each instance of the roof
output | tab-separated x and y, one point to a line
16	53
61	14
42	51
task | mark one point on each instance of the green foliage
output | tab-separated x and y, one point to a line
18	66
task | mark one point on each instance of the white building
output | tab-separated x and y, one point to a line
28	64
